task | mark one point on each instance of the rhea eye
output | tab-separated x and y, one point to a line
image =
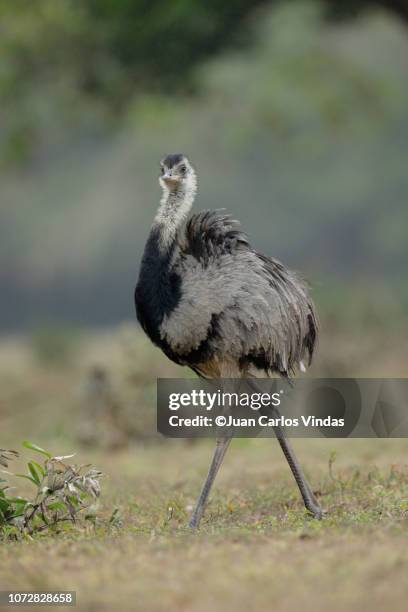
182	169
161	169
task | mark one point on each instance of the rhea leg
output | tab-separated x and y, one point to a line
309	499
306	492
219	453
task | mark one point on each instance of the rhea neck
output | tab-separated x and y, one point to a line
158	290
175	204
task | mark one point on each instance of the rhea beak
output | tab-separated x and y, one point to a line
170	180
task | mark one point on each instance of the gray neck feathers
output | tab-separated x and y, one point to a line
174	208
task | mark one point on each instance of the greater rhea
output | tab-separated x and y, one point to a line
213	303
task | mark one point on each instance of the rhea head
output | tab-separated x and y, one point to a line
177	174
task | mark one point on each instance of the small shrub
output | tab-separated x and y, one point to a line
63	493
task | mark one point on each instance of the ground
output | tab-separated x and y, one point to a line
257	547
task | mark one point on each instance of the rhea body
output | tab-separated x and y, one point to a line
213	303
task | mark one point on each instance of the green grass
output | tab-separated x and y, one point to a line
257	546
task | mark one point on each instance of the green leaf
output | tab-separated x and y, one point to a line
73	500
39	468
36	448
58	505
5	505
34	472
115	517
18	500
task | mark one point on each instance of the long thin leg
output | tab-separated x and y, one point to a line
309	499
219	453
306	492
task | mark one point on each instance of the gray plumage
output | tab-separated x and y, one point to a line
263	316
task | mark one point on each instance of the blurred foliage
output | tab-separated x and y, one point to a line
300	129
352	8
55	345
302	83
79	61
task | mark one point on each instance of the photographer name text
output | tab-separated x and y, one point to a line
260	421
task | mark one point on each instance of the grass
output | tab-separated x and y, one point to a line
257	547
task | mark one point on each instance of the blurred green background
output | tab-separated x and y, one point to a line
294	113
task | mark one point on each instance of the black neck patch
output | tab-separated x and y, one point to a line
158	290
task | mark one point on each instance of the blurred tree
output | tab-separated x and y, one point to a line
311	118
351	8
161	41
63	59
78	61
